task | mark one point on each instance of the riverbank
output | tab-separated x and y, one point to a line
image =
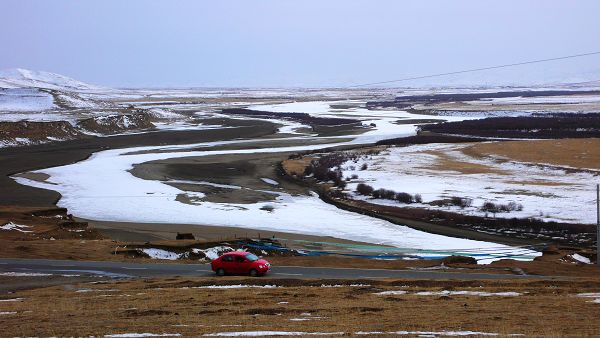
438	171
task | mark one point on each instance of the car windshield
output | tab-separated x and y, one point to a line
251	257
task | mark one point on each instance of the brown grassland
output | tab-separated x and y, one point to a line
182	306
576	153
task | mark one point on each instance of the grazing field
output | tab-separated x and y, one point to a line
200	307
571	153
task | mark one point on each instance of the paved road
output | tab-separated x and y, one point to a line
137	270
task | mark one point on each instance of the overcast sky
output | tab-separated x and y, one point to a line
298	43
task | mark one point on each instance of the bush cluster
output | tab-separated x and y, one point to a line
496	207
364	189
461	202
540	126
403	197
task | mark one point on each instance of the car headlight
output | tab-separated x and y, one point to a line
261	266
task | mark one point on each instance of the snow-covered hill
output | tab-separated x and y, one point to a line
23	78
40	107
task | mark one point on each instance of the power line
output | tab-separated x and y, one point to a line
476	69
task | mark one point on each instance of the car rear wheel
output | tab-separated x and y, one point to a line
220	272
253	273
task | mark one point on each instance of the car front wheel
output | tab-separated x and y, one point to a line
220	272
253	273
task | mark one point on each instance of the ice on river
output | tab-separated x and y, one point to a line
102	188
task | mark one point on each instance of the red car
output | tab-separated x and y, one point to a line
240	263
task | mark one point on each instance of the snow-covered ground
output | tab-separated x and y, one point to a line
544	192
351	109
23	99
24	78
385	122
117	195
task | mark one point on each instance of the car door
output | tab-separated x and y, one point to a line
242	265
228	264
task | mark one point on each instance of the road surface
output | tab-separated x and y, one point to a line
143	270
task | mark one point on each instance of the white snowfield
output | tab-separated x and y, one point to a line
545	192
23	99
24	78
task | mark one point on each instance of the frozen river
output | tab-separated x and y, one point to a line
102	188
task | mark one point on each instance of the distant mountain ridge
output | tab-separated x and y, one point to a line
24	78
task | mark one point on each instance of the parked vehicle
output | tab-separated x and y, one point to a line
240	263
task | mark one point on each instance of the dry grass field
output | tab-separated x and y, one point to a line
575	153
187	307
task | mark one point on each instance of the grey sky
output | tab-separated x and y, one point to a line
298	43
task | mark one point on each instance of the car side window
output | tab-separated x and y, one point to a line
240	259
227	259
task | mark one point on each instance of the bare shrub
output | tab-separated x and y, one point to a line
418	198
461	202
490	207
495	208
404	197
364	166
514	206
389	194
364	189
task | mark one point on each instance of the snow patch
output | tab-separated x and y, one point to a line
269	181
16	227
432	333
24	274
12	300
137	335
214	252
270	333
581	258
392	293
160	254
450	293
237	286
